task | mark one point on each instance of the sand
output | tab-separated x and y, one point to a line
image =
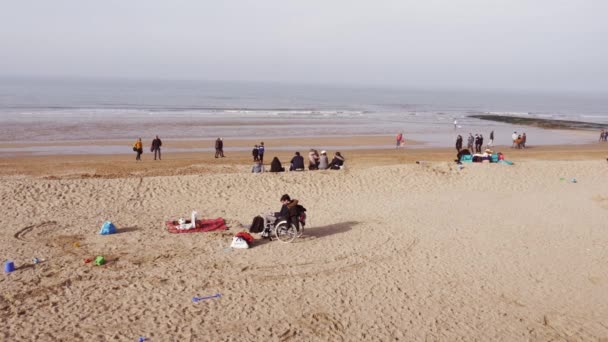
393	250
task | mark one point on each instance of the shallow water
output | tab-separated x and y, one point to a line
47	110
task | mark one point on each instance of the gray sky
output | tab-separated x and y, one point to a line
525	44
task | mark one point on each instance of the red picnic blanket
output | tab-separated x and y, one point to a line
204	225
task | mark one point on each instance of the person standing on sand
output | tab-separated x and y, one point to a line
491	143
459	143
399	138
261	152
217	147
514	138
601	135
139	148
476	143
455	123
480	142
156	144
254	153
523	140
470	141
222	147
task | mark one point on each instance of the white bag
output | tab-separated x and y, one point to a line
239	242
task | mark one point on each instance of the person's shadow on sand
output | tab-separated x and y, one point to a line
336	228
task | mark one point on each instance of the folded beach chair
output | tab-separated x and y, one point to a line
466	158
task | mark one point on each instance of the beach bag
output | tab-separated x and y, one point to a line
239	242
466	158
107	228
257	226
246	236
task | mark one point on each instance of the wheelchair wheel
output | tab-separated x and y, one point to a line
285	232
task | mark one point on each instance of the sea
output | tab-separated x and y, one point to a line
53	110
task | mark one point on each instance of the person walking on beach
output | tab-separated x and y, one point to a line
221	144
470	141
455	123
261	152
156	144
491	143
217	147
139	148
459	143
254	153
514	138
602	136
399	139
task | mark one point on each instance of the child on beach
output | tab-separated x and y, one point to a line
139	148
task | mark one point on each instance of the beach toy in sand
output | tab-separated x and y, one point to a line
142	339
9	266
76	244
107	228
99	260
198	299
87	260
573	180
36	261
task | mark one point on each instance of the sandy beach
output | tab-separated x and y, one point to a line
393	250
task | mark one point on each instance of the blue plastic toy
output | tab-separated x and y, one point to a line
107	228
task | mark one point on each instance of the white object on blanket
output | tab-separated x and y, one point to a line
239	242
184	225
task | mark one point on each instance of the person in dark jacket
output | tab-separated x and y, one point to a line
459	143
254	153
275	165
480	142
289	211
297	163
337	162
156	144
261	152
218	144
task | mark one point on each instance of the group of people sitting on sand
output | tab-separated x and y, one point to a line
316	161
465	155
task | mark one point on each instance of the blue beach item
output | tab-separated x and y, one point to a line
198	299
9	267
107	228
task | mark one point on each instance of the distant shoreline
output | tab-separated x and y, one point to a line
542	123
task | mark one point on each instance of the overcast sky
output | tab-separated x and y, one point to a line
519	44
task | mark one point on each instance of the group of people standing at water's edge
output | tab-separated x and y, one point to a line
316	161
474	143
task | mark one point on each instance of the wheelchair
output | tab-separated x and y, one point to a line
282	229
